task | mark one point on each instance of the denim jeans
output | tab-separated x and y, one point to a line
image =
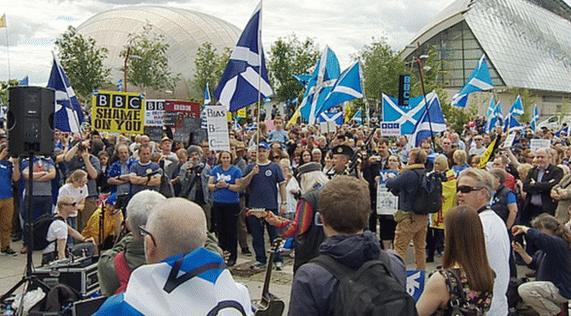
257	230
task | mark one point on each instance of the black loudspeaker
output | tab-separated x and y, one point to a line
31	121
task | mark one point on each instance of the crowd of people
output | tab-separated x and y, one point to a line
174	206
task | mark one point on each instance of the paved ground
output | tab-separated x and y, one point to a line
12	268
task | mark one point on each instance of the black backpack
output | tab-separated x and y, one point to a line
369	290
41	227
428	197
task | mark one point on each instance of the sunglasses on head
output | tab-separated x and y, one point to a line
466	189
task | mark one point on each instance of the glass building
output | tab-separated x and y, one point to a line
527	43
184	31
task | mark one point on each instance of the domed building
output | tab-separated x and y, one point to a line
184	31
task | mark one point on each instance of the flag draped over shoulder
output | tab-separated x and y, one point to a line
245	76
323	78
68	115
479	80
431	122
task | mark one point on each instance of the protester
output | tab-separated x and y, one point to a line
144	174
344	208
112	219
173	239
9	173
194	182
119	171
466	278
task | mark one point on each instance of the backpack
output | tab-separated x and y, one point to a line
41	227
369	290
428	197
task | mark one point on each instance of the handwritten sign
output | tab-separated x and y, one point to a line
387	203
536	144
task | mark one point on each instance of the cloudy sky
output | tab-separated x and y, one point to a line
344	25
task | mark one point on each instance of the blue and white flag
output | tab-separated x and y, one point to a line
517	107
564	129
207	98
495	119
68	116
491	107
415	283
511	123
245	76
348	87
358	117
406	116
336	117
325	74
119	85
431	120
24	82
479	80
534	118
303	78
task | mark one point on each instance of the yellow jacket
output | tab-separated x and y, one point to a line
448	200
111	226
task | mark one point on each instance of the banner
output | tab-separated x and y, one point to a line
217	126
242	113
390	129
387	203
177	110
154	113
118	112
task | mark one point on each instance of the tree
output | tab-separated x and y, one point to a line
381	69
147	61
209	66
4	90
288	57
83	62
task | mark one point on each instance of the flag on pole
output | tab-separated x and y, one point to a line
3	21
406	116
207	98
479	80
517	107
511	123
432	120
336	117
495	119
534	118
24	82
323	79
245	76
491	107
68	115
348	87
357	118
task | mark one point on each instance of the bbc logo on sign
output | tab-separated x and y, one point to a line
390	129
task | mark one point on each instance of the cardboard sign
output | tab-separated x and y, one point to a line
536	144
509	140
118	112
154	113
415	283
217	127
390	129
387	203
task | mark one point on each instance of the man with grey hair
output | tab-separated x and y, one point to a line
475	189
193	177
181	277
128	252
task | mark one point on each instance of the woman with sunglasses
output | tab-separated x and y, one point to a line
225	183
466	278
76	187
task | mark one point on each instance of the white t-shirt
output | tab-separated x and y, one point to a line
498	250
292	185
78	194
56	231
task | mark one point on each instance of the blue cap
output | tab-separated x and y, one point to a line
264	145
111	199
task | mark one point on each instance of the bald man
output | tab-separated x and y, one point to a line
181	277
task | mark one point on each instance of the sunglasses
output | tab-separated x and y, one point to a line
466	189
143	232
70	204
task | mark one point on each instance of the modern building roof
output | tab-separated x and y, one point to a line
528	42
184	30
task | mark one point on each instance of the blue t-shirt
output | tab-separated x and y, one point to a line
278	136
142	171
6	170
230	176
263	188
510	198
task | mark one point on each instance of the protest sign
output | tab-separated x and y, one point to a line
390	129
536	144
118	112
217	126
154	113
242	113
509	140
177	110
387	203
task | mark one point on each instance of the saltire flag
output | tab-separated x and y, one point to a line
348	87
491	107
432	120
564	129
517	107
245	76
511	123
119	85
406	116
534	118
496	119
207	98
68	115
479	80
489	153
336	117
302	78
357	118
24	82
323	78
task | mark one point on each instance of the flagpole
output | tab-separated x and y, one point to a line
419	63
7	49
259	83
